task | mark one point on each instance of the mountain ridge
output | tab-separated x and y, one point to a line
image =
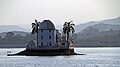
110	22
7	28
78	28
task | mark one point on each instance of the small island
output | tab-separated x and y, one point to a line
50	41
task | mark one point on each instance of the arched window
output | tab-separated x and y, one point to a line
41	43
63	43
49	37
41	30
41	37
50	44
56	38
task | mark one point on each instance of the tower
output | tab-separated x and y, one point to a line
47	34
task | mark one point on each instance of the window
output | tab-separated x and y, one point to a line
41	37
41	43
63	43
50	43
49	30
49	37
41	30
56	38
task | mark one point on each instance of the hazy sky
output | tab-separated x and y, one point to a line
58	11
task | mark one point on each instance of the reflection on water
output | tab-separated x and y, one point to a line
96	57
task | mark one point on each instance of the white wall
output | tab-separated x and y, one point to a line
46	39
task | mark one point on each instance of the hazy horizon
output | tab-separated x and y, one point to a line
22	12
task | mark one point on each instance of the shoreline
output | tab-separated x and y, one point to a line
74	47
58	52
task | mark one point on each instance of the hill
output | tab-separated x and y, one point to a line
7	28
105	33
114	21
102	25
105	27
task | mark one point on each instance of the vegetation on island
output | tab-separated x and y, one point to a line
68	28
35	27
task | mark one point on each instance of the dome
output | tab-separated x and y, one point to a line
47	24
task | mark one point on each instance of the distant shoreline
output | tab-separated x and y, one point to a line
24	46
74	47
13	46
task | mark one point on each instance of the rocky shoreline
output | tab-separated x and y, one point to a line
46	52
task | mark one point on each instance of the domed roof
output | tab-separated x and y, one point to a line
47	24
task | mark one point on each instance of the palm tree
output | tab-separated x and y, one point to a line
68	28
35	27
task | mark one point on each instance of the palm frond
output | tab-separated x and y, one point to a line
71	21
33	25
72	24
64	29
65	24
72	29
33	31
35	20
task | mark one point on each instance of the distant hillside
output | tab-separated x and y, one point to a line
26	27
7	28
114	21
102	25
15	39
80	27
106	27
99	39
22	33
105	33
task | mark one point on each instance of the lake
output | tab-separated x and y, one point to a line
95	57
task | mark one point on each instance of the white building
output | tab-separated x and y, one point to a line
49	38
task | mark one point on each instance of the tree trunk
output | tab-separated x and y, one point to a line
67	37
68	40
37	35
37	39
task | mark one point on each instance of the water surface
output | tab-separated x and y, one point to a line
95	57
